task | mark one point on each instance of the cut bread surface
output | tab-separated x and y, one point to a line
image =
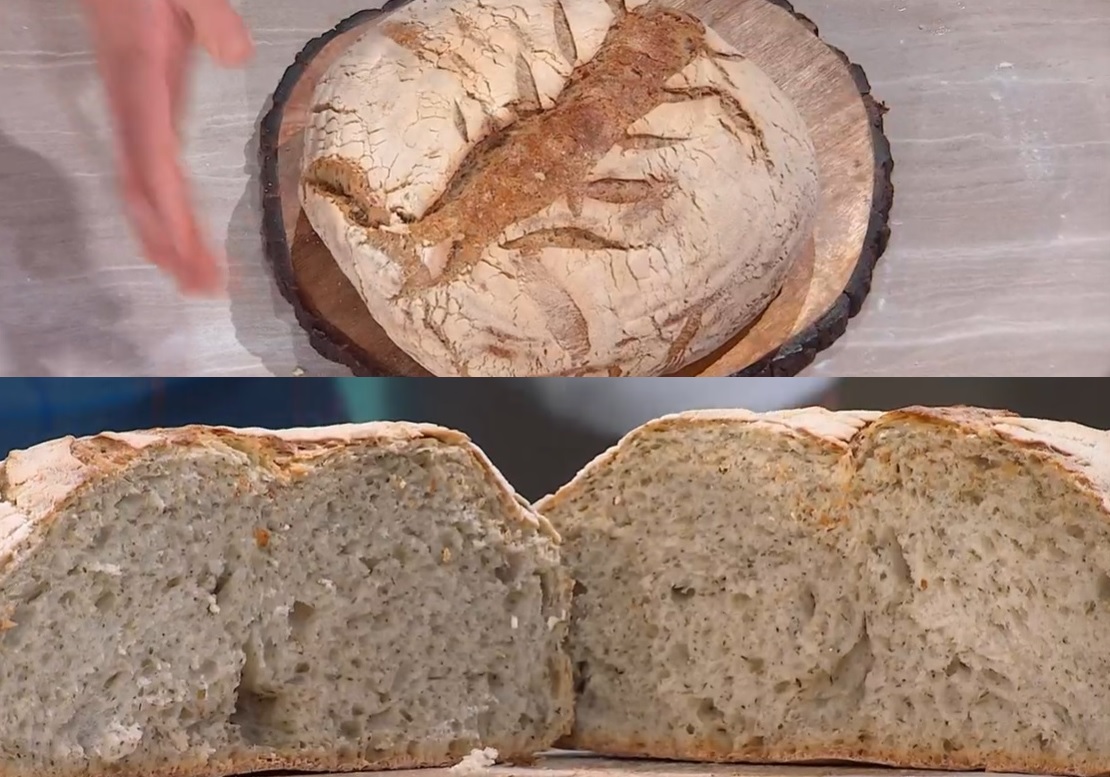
210	601
925	588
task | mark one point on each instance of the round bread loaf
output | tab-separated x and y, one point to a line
556	187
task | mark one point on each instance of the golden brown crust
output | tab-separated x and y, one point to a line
832	429
41	481
1079	454
545	156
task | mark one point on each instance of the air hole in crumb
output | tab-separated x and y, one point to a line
808	603
580	588
254	715
102	537
581	677
209	669
105	602
351	729
221	583
458	748
681	593
380	720
948	745
956	666
1103	587
509	572
66	599
36	592
300	618
708	713
302	667
1074	530
896	558
173	583
690	729
755	664
112	680
367	562
496	684
679	654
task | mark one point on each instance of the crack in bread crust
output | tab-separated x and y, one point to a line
585	136
548	155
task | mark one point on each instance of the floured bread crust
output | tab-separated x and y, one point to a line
558	187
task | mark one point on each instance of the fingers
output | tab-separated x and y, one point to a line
178	62
219	30
169	233
143	50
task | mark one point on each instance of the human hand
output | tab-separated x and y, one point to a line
144	49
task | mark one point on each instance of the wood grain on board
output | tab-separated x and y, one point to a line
581	765
827	284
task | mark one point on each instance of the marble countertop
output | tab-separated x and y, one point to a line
999	264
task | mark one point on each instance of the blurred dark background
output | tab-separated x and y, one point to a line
538	442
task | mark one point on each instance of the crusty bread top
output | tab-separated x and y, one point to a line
1080	452
835	429
38	482
514	188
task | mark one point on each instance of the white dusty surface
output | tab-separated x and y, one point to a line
1000	262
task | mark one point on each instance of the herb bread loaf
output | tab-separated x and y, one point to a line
210	601
556	187
922	588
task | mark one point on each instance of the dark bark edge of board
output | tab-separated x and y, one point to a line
786	360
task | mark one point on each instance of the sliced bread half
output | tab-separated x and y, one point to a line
925	588
210	601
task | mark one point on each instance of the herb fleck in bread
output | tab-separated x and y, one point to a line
557	187
211	601
924	588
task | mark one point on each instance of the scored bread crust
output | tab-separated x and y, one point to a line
651	192
1081	455
37	484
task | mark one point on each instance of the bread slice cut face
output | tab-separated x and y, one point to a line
923	588
210	601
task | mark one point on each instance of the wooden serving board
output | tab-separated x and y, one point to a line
575	765
826	288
